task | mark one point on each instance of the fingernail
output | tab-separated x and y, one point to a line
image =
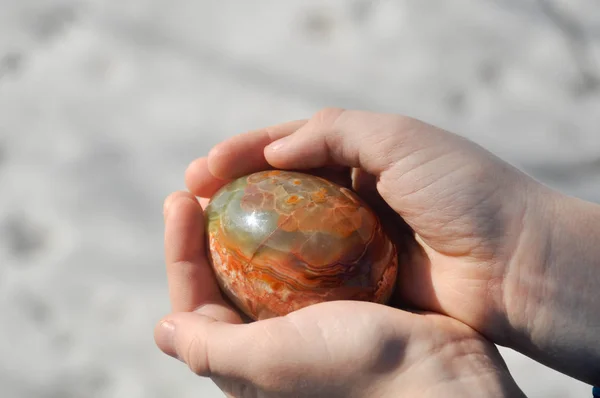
170	201
165	338
279	144
166	206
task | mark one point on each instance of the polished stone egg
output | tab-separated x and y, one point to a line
279	241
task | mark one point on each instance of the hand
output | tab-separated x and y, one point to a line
336	349
468	208
476	236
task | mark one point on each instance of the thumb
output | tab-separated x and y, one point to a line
430	177
206	341
366	140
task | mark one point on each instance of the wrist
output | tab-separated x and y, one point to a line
477	374
526	273
478	369
552	286
477	379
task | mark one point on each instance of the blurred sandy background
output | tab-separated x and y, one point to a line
104	103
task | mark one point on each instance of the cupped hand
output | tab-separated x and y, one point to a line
336	349
463	220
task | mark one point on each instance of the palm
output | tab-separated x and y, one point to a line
449	265
324	344
457	253
321	347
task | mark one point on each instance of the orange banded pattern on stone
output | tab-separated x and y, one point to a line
280	241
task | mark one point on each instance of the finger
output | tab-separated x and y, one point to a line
208	343
190	277
200	181
212	347
279	352
357	139
243	154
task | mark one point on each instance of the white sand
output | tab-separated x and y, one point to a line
103	104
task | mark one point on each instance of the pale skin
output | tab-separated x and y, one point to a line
488	252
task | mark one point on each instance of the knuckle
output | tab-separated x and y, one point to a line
196	357
328	116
